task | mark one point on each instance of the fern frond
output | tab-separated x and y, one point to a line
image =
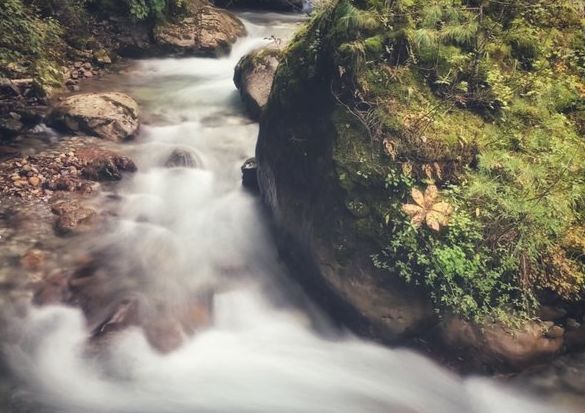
460	34
352	20
424	38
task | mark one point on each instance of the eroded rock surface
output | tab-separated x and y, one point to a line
253	77
112	116
209	32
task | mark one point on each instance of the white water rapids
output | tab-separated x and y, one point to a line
263	353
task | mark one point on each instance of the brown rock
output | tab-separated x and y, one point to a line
53	290
210	32
34	181
104	165
72	217
497	345
111	116
253	77
33	260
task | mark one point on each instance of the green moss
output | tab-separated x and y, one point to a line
489	109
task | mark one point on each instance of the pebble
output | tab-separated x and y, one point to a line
34	181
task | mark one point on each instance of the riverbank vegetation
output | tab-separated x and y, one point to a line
35	35
459	143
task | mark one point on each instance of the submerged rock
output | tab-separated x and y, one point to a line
209	32
253	77
249	174
73	217
104	165
112	116
180	158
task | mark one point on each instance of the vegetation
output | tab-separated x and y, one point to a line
483	100
35	34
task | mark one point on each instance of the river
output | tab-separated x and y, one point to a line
195	229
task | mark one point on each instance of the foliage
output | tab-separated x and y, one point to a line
29	45
484	100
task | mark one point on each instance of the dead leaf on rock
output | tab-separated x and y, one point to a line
428	209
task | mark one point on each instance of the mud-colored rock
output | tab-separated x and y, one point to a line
180	158
112	116
498	346
72	217
104	165
210	32
33	260
253	77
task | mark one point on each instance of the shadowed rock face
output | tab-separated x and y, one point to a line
253	77
209	32
308	141
111	116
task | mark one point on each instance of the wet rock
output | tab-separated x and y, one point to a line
72	217
210	32
104	165
53	290
10	127
112	116
8	88
249	174
253	77
102	57
180	158
499	346
551	313
33	260
575	338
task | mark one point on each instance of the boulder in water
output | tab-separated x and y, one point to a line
210	32
180	158
72	217
253	77
112	116
104	165
249	175
499	346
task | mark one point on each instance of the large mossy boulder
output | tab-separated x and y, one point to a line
253	77
404	194
208	32
112	116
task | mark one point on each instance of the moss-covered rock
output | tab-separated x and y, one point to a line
407	160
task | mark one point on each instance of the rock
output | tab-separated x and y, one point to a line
318	238
575	338
102	57
210	33
104	165
253	77
550	313
249	175
112	116
72	217
53	290
10	126
34	181
500	347
180	158
8	88
32	260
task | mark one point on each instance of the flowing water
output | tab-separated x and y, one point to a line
195	229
